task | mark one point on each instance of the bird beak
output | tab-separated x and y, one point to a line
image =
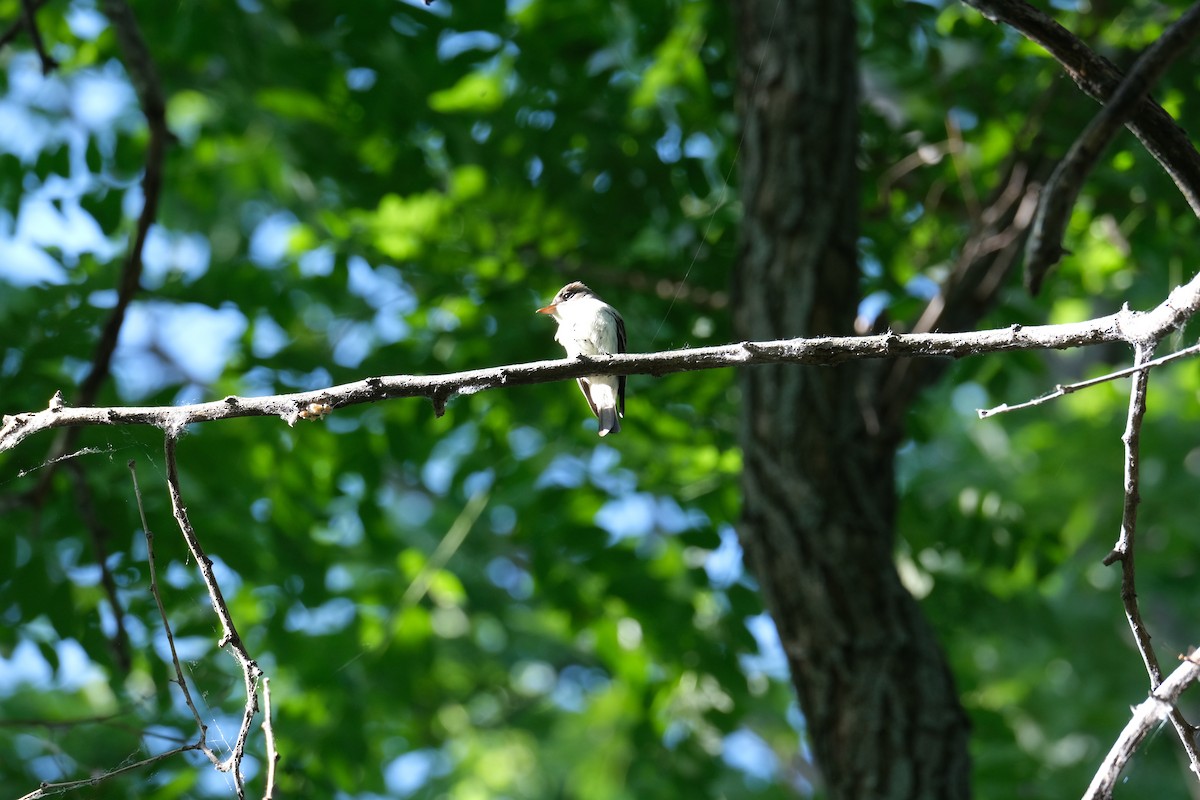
547	310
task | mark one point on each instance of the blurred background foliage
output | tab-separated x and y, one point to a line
494	603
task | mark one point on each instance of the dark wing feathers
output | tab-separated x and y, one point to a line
583	387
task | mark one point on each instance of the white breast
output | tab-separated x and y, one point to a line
587	326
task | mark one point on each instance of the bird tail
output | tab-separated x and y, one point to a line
608	420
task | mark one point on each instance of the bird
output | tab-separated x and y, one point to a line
588	326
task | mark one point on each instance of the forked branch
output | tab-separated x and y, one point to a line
251	672
1145	720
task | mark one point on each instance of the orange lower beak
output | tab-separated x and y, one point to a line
547	310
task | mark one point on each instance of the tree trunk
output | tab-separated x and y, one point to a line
819	497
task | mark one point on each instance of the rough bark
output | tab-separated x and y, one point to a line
819	501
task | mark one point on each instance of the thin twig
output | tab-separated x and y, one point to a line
1044	247
1124	549
269	735
162	612
251	672
925	155
1062	390
83	451
50	789
1123	326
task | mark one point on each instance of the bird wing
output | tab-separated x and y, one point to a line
584	385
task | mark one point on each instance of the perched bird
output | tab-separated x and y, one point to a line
588	326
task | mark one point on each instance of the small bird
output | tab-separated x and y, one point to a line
588	326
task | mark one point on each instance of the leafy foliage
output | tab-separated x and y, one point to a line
378	188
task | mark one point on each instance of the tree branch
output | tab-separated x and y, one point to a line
251	672
1099	79
1146	718
1124	549
1062	390
1125	325
202	743
1044	247
49	789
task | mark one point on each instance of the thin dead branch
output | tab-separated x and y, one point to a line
1124	550
230	639
1065	389
201	744
51	789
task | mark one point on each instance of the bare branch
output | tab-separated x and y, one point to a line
50	789
201	744
1146	718
1044	247
1124	549
251	672
1099	79
1062	390
250	669
1125	325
